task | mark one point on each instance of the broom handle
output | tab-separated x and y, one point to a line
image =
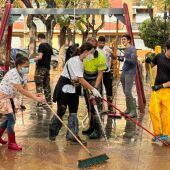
155	98
136	122
84	147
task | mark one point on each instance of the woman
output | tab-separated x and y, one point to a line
14	81
66	92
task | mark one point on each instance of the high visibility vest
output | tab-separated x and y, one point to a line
96	64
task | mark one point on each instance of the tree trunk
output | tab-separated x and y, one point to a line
70	35
95	31
32	34
85	35
63	31
49	35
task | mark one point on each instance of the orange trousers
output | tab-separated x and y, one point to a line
160	117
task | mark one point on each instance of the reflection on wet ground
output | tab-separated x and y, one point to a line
41	154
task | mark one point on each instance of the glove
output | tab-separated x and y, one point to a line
148	60
96	93
157	87
31	61
121	58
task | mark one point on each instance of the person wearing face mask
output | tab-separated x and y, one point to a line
107	78
66	93
14	81
94	65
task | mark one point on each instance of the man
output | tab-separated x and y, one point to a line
42	74
161	97
94	66
107	75
107	78
127	77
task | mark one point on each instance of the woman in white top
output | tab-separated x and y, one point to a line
66	92
14	81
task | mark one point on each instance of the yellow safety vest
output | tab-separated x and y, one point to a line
96	64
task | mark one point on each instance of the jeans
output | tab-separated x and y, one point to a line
9	122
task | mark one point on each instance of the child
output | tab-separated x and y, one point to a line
14	81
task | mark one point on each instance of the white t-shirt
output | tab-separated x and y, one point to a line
106	51
75	66
11	78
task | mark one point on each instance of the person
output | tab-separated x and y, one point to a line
66	93
42	73
15	80
107	78
107	75
128	75
161	89
94	66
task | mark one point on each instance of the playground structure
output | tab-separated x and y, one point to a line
10	14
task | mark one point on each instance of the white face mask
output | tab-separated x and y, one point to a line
90	57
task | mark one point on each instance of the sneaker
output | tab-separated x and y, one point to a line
161	137
75	142
94	135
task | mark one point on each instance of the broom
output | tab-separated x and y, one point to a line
138	124
93	100
83	163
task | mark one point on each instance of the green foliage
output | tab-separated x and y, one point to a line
159	4
153	32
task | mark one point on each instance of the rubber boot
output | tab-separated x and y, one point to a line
130	129
54	128
97	133
132	104
127	111
74	127
3	142
12	142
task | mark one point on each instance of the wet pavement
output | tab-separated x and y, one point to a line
41	154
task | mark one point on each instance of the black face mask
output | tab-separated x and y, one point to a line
101	47
95	54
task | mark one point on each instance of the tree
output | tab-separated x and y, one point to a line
84	24
159	4
152	32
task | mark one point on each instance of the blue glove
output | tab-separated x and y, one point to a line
157	87
31	61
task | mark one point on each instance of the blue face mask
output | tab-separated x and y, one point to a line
24	70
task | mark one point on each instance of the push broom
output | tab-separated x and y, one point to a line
83	163
138	124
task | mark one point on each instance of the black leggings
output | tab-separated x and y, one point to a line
67	99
